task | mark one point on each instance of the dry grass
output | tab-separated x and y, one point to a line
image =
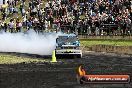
10	59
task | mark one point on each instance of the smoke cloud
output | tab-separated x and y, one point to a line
31	43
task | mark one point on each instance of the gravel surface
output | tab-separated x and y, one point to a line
63	73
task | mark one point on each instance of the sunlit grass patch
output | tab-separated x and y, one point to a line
90	42
9	59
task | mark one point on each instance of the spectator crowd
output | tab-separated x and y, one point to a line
90	17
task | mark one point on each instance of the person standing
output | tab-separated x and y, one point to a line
23	12
11	26
97	31
18	26
5	27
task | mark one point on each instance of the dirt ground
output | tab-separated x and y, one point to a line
63	73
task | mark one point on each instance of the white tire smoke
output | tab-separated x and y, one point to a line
31	43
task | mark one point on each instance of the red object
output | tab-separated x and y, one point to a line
107	78
83	78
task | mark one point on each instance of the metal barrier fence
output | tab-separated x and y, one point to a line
102	30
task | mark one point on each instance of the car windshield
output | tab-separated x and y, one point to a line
67	40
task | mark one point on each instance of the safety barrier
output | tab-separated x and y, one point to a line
105	37
110	49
